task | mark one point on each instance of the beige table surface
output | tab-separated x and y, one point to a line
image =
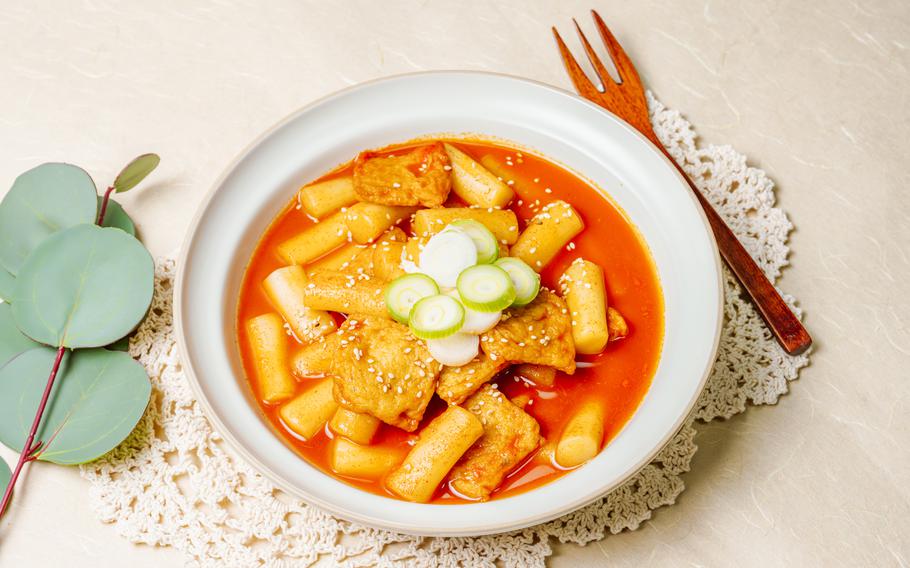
815	93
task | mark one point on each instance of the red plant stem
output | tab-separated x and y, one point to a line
104	200
30	448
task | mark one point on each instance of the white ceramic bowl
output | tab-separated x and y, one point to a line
560	125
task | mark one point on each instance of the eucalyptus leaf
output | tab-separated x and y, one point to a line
12	341
135	172
122	344
85	286
7	283
115	216
98	398
42	201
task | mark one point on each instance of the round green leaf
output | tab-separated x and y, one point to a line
85	286
12	341
42	201
5	475
115	216
98	398
135	172
7	283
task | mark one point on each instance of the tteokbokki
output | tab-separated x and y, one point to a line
449	321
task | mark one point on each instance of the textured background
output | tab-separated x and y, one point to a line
815	93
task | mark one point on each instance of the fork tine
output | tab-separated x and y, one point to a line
584	85
599	68
624	67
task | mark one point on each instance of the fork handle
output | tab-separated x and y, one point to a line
784	324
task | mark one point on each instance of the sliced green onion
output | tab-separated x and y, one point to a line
446	254
476	322
525	280
484	240
436	317
456	350
485	288
402	293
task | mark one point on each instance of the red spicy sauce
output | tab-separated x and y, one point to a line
620	375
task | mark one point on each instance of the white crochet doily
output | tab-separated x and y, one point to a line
173	482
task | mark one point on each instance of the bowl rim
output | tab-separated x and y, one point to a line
334	509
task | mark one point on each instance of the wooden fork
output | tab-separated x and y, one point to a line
626	99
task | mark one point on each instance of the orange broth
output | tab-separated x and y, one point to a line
620	375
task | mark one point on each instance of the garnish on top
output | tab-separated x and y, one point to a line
458	290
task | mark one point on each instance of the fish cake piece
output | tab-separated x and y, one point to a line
386	255
538	374
394	235
509	436
458	383
379	369
419	177
617	324
539	333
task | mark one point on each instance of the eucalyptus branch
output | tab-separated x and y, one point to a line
104	202
30	345
30	449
